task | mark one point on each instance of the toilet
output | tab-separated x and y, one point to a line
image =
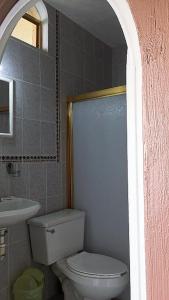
57	239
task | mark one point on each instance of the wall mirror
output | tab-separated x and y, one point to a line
6	107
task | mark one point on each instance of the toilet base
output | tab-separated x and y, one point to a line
73	290
70	292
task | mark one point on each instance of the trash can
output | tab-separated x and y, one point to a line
29	286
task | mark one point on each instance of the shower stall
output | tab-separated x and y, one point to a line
97	169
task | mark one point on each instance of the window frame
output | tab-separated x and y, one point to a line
38	29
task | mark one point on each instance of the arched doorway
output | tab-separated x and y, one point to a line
135	145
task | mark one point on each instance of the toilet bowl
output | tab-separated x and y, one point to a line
58	239
94	276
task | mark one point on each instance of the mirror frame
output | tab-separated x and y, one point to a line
11	96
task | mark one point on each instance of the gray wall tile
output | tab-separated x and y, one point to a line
66	29
18	99
31	65
72	60
52	40
48	105
66	85
119	60
108	60
31	137
4	181
47	71
78	62
54	203
89	86
90	68
48	138
52	179
13	145
89	43
100	84
31	101
18	186
37	181
67	51
71	32
12	64
78	36
99	49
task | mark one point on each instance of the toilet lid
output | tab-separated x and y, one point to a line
96	265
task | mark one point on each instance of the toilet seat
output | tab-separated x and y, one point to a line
96	266
92	286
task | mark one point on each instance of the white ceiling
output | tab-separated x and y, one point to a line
96	16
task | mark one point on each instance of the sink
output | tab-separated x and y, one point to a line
14	210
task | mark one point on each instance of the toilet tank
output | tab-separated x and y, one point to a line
57	235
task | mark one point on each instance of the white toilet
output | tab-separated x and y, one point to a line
57	240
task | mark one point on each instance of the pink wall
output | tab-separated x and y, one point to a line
152	20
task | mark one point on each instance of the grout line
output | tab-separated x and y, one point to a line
46	190
22	43
57	78
21	158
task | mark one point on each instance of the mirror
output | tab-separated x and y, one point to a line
6	107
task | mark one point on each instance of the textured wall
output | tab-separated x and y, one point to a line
153	26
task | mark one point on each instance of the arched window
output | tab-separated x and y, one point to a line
29	28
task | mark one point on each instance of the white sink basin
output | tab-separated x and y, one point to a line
14	210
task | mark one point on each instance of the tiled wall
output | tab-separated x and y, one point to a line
33	72
86	62
85	65
119	59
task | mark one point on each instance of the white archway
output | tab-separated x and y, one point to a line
135	150
20	8
135	139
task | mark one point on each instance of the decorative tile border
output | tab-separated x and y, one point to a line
27	158
57	86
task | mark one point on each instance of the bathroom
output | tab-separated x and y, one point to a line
77	62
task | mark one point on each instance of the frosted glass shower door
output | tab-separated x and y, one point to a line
100	171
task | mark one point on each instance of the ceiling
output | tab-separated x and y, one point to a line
96	16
